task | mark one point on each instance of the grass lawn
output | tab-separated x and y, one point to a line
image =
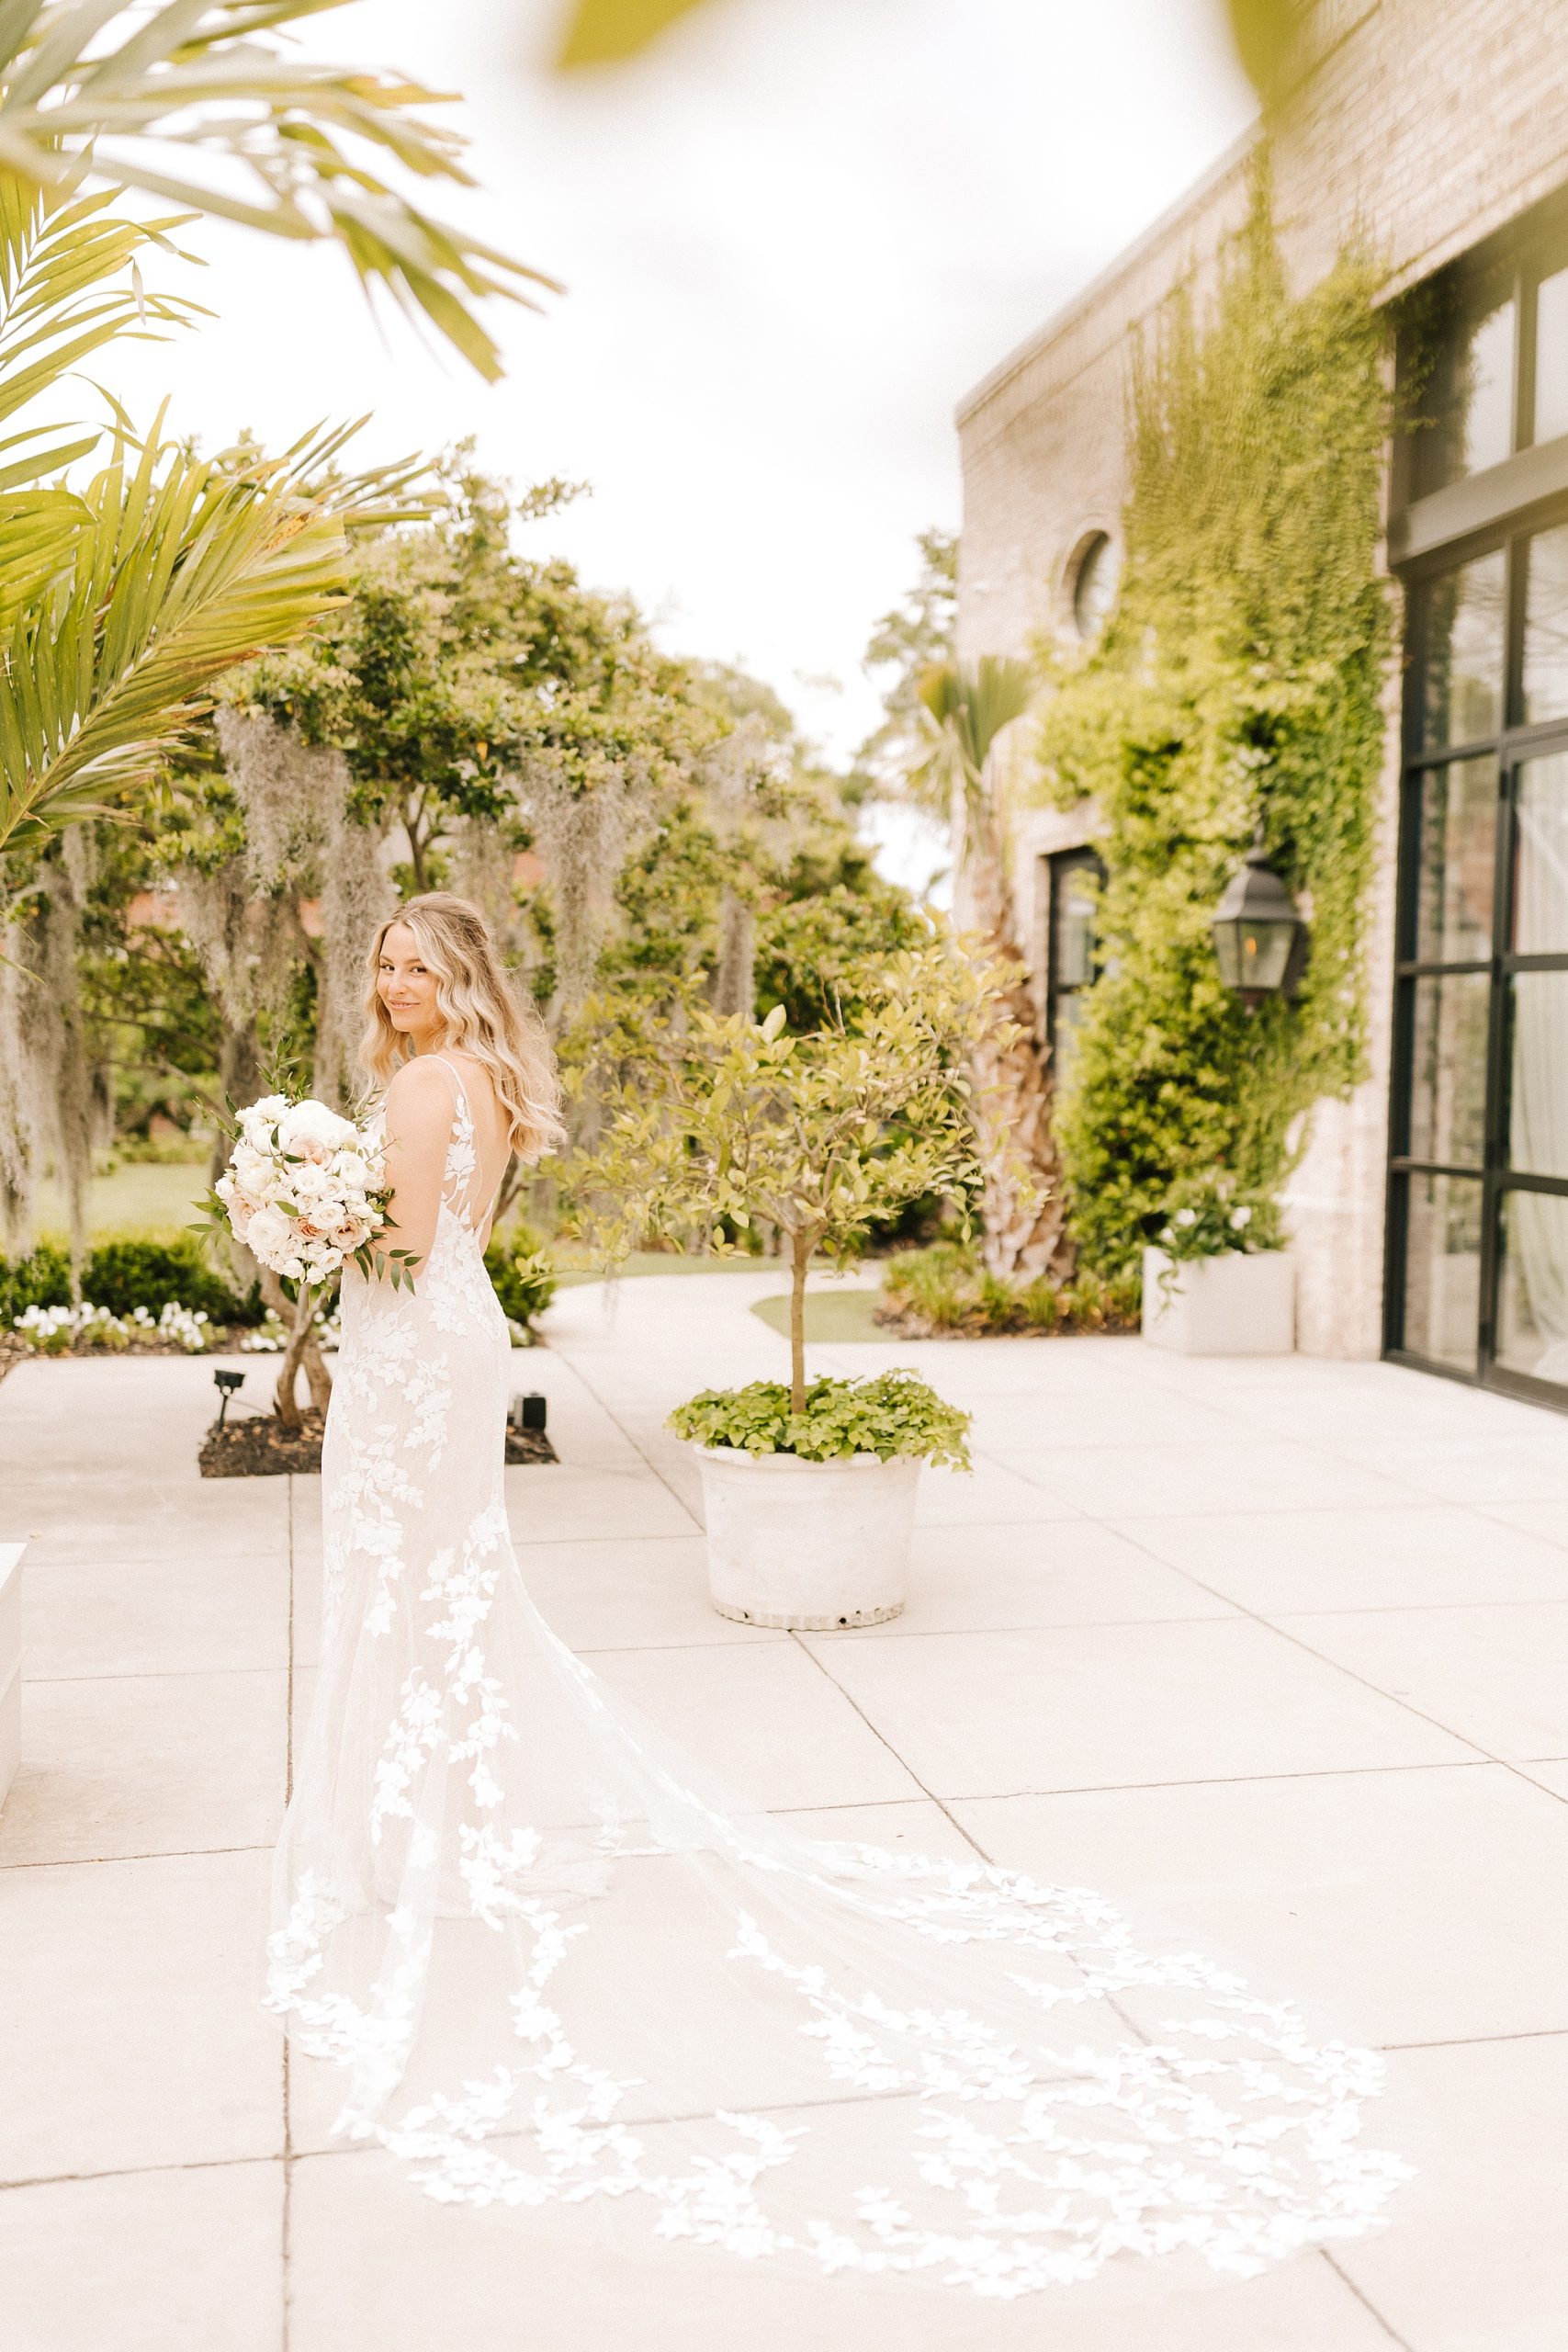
832	1317
647	1262
144	1196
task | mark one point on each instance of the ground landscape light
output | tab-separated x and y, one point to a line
1257	930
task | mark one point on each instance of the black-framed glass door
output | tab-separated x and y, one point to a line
1478	1183
1073	880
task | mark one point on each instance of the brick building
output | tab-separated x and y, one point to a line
1431	1212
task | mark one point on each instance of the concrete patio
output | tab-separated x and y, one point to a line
1274	1654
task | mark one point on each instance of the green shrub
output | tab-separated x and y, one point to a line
947	1288
123	1275
1207	1219
40	1279
522	1276
120	1276
892	1415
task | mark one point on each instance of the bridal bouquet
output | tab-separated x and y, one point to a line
306	1191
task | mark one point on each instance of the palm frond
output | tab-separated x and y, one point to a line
967	707
37	531
62	252
601	32
59	250
185	567
144	95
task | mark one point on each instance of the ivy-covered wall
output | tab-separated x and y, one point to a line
1240	677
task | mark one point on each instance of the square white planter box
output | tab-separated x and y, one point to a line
10	1663
1242	1303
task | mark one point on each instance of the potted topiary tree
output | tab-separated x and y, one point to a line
708	1126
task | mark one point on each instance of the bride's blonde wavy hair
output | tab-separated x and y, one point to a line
482	1014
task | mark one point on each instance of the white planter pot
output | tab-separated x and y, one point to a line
10	1663
1242	1303
813	1545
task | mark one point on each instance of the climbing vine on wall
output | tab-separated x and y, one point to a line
1240	677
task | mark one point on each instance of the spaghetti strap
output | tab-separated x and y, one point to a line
462	1158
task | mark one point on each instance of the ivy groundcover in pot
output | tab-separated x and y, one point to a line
810	1513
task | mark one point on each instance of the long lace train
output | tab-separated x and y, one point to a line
556	1962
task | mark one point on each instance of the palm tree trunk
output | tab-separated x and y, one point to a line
1024	1203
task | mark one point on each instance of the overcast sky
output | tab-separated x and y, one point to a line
792	238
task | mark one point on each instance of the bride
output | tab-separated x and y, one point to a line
555	1963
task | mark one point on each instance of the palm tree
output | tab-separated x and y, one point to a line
1023	1210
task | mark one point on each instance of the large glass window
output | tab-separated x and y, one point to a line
1447	1080
1545	694
1468	413
1532	1289
1552	357
1490	361
1541	856
1441	1299
1478	1172
1463	665
1479	1192
1456	817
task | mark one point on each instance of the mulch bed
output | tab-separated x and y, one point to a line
903	1323
256	1445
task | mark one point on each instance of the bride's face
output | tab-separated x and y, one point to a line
406	987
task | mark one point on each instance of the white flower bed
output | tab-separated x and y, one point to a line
54	1330
270	1339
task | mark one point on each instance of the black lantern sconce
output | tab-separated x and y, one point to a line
1260	938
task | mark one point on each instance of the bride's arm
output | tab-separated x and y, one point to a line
419	1128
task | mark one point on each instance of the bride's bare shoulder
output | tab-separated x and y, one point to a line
420	1097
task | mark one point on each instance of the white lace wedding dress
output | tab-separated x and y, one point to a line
556	1964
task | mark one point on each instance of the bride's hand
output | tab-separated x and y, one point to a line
419	1127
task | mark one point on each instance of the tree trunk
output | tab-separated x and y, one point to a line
1024	1205
735	981
800	1258
303	1349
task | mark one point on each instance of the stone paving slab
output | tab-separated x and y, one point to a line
1270	1652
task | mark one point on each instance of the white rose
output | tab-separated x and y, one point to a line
270	1236
258	1119
349	1170
310	1182
252	1167
311	1127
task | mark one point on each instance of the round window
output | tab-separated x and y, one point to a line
1094	584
